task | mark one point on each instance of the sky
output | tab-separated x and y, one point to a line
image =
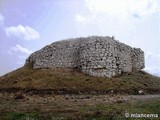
28	25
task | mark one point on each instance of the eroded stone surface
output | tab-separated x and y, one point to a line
96	56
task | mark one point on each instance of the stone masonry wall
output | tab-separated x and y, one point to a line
96	56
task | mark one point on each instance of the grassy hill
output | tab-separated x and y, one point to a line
72	81
47	94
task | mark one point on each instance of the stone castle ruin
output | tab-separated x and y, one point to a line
96	56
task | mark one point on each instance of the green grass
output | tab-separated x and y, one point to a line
148	107
19	116
99	111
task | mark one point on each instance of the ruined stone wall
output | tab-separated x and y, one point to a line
96	56
58	54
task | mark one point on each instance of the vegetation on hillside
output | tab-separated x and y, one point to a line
99	111
69	80
60	93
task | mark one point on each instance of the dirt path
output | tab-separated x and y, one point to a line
67	102
87	98
141	97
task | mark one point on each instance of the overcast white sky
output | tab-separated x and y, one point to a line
28	25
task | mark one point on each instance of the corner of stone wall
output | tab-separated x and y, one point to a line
137	59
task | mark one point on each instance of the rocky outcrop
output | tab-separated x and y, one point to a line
96	56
